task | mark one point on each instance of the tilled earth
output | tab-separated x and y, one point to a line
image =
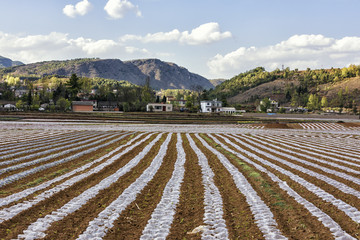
275	181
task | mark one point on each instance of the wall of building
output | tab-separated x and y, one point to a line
82	108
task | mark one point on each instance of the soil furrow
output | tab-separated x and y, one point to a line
238	216
329	146
190	210
64	229
43	146
12	165
311	155
344	221
307	224
21	221
73	170
35	178
135	217
339	167
292	218
323	172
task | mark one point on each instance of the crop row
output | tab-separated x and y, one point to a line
252	186
326	126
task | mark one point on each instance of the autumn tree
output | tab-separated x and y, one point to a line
313	102
324	102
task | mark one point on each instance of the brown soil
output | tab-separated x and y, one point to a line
309	153
190	210
135	217
22	220
28	139
350	124
330	147
294	221
294	126
25	138
237	213
71	166
277	125
345	222
322	184
81	218
47	174
79	143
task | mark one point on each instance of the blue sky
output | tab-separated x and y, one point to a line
216	39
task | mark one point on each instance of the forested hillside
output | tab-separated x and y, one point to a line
334	87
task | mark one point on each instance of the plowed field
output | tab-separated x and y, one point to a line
120	181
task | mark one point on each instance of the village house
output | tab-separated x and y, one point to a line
274	106
159	107
213	106
21	91
82	106
228	110
107	106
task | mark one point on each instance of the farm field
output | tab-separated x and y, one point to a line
76	180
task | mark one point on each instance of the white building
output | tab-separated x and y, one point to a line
159	107
211	106
228	110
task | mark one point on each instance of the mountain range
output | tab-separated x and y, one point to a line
163	75
7	62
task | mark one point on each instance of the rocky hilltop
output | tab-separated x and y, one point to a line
7	62
163	75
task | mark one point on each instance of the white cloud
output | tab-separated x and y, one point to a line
299	51
119	8
204	34
159	37
81	8
34	48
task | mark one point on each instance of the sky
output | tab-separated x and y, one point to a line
213	38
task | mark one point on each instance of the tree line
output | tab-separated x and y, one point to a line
57	93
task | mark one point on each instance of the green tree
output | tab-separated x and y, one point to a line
191	102
178	95
354	107
63	104
147	94
74	86
340	98
35	102
20	104
85	85
163	99
265	104
30	94
60	92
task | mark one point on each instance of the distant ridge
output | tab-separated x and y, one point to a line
216	82
163	75
7	62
